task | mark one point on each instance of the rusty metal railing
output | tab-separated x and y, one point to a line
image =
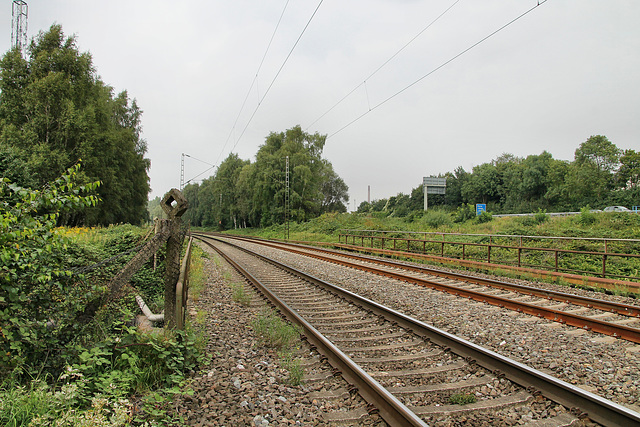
485	250
182	288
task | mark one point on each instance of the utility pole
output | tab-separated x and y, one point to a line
286	200
182	172
19	12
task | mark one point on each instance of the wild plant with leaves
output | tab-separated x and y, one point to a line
37	301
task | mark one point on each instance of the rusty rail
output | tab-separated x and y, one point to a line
607	328
597	408
390	408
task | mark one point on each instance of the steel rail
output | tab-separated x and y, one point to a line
597	408
389	407
596	325
614	307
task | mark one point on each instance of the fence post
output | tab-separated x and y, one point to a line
174	204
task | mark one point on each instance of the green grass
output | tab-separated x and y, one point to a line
613	225
294	367
239	294
275	332
462	399
197	278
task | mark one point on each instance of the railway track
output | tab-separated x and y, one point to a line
411	372
606	317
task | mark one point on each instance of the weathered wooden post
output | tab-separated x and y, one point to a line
174	204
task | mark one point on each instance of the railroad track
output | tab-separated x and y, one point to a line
412	372
606	317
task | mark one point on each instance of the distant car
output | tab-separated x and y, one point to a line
616	209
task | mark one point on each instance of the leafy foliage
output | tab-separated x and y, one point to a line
242	193
38	303
54	109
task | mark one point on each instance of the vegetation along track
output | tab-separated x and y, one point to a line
606	317
414	370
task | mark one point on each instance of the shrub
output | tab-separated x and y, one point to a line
39	302
484	217
541	216
436	218
464	213
586	217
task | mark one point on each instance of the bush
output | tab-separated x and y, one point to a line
436	218
464	213
586	217
541	216
484	217
40	302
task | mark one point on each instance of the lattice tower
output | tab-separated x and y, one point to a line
19	12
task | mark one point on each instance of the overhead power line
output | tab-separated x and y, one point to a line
364	82
255	78
277	74
539	3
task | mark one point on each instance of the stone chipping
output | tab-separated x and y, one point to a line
603	365
246	383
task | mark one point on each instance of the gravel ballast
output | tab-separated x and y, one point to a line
602	365
246	382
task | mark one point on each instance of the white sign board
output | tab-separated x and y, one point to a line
433	185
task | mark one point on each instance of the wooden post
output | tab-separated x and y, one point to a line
174	204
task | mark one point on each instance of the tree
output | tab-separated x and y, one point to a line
629	173
600	152
591	175
313	185
334	190
455	182
242	193
483	186
54	110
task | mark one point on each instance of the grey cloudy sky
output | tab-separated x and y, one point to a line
567	70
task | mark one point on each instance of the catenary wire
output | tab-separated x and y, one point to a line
266	92
384	64
253	82
277	74
246	97
539	3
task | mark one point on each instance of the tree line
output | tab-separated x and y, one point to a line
244	194
55	111
600	175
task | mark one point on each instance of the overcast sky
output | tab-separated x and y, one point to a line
565	71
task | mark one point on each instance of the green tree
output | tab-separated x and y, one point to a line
629	173
483	186
455	182
54	110
591	174
335	193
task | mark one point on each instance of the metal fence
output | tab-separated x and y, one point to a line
604	257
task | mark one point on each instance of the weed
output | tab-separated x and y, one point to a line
201	317
294	366
274	331
239	294
197	277
462	399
